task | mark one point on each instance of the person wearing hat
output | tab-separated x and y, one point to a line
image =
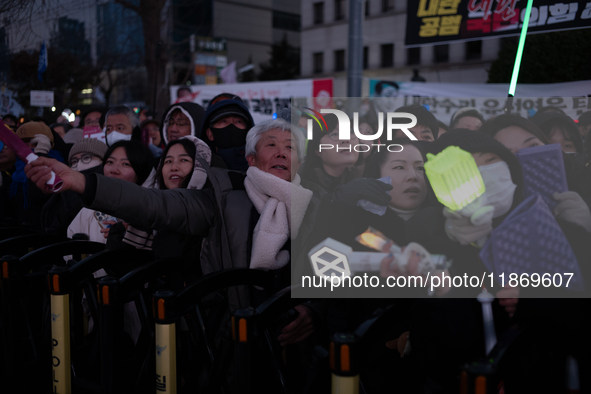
27	200
86	153
37	136
86	156
426	128
226	123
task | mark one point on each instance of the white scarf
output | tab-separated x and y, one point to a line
282	206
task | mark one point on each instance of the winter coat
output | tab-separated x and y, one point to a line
61	208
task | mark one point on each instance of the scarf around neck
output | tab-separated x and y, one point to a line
282	206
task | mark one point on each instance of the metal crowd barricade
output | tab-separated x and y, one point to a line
62	282
252	332
112	294
169	307
18	292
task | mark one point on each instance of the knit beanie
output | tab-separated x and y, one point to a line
31	129
89	145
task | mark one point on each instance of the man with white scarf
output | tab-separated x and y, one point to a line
274	150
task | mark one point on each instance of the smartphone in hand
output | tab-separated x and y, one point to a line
102	217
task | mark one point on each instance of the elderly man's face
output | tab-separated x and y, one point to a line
276	154
119	123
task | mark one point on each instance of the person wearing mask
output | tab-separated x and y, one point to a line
226	124
181	119
125	160
86	156
517	133
121	124
274	152
527	368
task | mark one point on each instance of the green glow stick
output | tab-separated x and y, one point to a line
455	177
520	49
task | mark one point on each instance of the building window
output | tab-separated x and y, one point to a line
286	21
366	7
318	63
339	60
365	58
441	53
387	55
339	10
474	50
318	13
413	56
387	6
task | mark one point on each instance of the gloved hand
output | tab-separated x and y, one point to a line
459	228
43	143
571	208
363	189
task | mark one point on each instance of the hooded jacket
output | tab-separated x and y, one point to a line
193	111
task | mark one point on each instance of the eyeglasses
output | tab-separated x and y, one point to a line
84	159
171	122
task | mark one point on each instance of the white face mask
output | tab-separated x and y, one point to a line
499	187
93	163
116	136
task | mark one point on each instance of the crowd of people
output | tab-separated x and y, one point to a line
214	189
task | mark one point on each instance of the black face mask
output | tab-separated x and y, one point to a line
234	158
228	137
